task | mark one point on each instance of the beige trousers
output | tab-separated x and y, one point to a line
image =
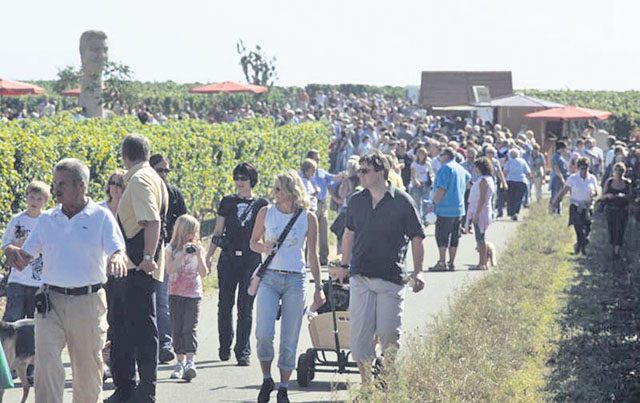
323	229
537	185
376	307
80	322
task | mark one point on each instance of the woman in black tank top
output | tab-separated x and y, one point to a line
616	195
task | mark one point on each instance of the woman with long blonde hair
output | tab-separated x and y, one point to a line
284	282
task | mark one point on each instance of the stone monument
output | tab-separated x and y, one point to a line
93	53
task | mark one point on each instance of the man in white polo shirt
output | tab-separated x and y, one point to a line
80	243
583	187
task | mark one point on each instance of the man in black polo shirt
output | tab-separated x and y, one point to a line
381	220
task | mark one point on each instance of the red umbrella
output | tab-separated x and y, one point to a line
17	88
75	92
569	113
228	86
9	88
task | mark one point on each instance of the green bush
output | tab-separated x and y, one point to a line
202	155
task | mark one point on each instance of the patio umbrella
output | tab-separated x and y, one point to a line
8	87
13	88
569	113
228	87
75	92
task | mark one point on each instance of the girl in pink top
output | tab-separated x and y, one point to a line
479	212
186	265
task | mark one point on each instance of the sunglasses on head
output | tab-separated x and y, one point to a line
163	170
365	171
240	178
118	184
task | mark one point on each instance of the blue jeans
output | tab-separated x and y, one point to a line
420	194
276	289
556	187
162	313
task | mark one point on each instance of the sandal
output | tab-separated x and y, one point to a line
440	266
451	266
478	267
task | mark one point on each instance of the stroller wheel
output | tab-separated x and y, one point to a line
311	362
303	371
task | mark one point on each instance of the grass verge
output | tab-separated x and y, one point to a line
494	342
596	358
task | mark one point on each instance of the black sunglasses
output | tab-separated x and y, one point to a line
240	178
163	170
118	184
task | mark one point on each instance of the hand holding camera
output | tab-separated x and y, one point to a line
191	248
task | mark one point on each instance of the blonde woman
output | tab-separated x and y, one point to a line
186	265
283	283
307	172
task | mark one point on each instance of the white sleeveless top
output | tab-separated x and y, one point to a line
290	256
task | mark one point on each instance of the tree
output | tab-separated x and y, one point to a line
257	67
68	78
117	78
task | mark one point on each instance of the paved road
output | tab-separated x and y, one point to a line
224	382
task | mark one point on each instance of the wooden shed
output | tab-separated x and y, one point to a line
447	88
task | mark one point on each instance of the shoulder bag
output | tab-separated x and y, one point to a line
262	267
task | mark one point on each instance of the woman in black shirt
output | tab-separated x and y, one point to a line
616	195
232	232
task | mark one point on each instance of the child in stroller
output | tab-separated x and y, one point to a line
339	281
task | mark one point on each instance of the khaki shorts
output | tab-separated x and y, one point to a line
376	307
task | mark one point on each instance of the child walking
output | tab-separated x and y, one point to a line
186	265
23	284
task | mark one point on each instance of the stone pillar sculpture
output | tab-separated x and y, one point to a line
93	53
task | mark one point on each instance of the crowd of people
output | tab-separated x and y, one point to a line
122	279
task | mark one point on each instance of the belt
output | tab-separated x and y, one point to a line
90	289
283	271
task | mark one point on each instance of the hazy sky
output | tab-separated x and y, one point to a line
578	44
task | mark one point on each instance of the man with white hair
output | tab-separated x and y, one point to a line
518	174
80	243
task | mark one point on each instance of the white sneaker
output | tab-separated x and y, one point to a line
189	371
178	371
107	371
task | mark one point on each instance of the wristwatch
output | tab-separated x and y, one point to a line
147	257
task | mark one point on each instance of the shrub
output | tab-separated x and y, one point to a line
202	155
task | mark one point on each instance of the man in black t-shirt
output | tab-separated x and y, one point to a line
381	222
232	232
